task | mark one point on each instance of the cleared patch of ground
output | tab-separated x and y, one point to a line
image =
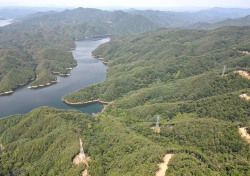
85	172
1	148
164	166
245	52
245	96
80	159
156	129
243	73
244	134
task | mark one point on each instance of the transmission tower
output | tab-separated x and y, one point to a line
157	121
224	70
82	155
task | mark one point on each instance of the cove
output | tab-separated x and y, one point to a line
89	70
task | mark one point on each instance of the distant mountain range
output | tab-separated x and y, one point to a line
243	21
166	18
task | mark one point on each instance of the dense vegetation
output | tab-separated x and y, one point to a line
53	33
171	73
177	74
243	21
40	44
178	57
45	141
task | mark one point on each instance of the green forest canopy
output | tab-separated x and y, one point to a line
171	73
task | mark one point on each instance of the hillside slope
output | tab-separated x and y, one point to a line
243	21
173	74
177	75
170	71
46	40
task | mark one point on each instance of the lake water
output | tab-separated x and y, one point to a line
88	71
5	22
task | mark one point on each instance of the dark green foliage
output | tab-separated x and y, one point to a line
173	73
159	59
177	74
42	142
47	39
15	68
45	141
120	151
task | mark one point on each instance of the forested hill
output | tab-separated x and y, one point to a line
173	74
40	44
243	21
176	74
171	57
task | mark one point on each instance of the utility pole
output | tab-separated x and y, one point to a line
82	155
157	122
224	70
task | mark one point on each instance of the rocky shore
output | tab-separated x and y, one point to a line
85	102
7	93
42	85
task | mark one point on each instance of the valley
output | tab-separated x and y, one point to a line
163	95
88	71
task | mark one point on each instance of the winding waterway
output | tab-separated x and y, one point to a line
5	22
88	71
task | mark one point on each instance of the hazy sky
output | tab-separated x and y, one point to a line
129	3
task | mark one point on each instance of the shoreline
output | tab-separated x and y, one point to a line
104	103
7	93
100	59
86	102
53	82
43	85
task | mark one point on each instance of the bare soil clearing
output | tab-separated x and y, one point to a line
245	96
78	160
245	52
243	73
84	160
1	148
156	129
164	166
85	172
244	134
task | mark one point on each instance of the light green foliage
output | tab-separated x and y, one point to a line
42	142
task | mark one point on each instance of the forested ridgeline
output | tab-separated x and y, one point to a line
174	74
179	76
45	142
53	33
38	46
171	65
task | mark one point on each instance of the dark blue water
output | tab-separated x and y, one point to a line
88	71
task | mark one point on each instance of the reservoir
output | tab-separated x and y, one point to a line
5	22
88	71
